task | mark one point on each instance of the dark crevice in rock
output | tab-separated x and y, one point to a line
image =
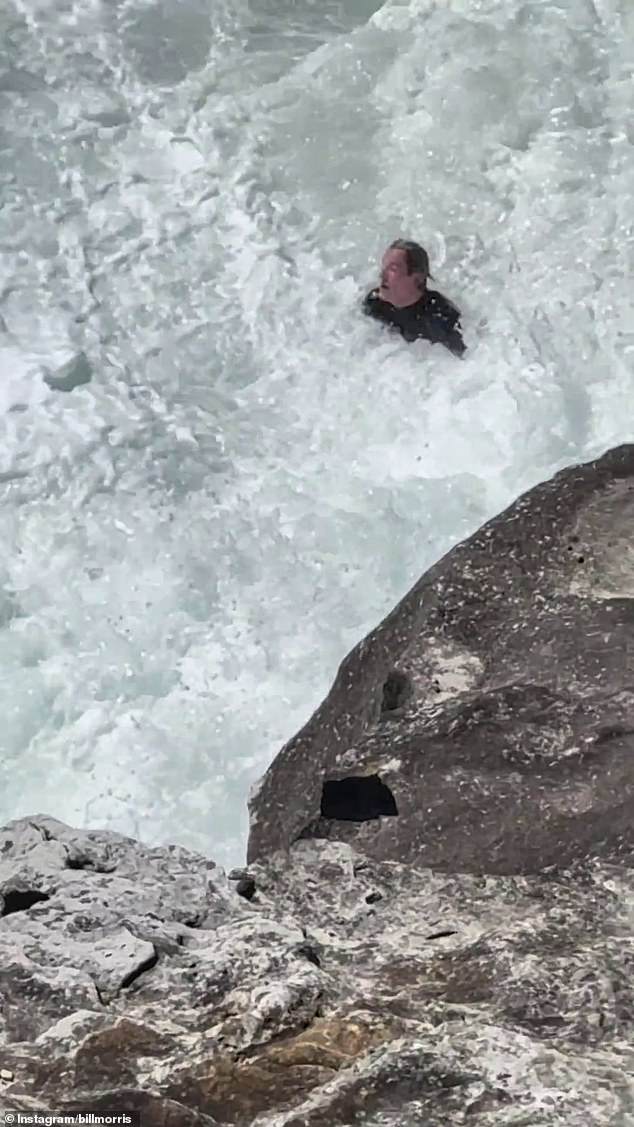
45	834
395	691
149	964
194	921
373	897
308	951
612	732
76	863
440	934
309	831
21	900
357	799
246	888
87	864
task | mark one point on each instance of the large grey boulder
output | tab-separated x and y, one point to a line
487	724
344	991
120	963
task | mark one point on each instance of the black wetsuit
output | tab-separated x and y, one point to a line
432	317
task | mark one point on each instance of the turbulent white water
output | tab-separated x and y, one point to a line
194	196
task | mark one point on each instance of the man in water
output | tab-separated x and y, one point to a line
403	301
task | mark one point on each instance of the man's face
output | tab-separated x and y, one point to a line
397	286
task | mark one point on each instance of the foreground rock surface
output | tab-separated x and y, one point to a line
436	926
487	724
345	991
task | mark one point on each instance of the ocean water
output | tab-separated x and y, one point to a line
216	475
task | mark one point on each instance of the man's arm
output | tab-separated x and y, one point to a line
449	335
447	327
370	303
454	342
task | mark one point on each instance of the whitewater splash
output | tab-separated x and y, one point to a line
215	475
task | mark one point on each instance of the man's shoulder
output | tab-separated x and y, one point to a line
375	306
372	298
441	307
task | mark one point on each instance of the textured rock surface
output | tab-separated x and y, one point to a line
487	724
390	957
345	991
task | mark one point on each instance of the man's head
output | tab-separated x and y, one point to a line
404	273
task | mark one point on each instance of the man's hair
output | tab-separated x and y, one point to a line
416	256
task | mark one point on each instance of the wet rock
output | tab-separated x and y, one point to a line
373	897
246	887
487	724
307	1006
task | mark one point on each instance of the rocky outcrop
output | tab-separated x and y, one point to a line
345	991
487	724
137	977
435	925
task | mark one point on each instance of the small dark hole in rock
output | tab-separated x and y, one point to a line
581	559
75	863
309	952
373	897
395	689
357	799
87	864
246	888
21	901
149	964
440	934
611	732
